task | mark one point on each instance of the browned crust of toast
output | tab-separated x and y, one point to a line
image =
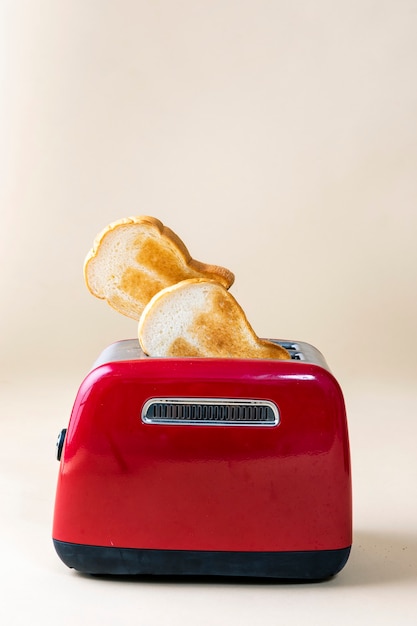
223	330
221	274
226	277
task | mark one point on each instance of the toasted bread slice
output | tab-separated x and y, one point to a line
200	318
134	258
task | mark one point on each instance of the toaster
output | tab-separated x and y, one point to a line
205	467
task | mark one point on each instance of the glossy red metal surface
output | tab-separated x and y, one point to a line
126	483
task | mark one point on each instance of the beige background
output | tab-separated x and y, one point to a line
276	138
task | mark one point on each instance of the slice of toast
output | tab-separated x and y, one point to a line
200	318
134	258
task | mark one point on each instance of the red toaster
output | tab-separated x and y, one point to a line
223	467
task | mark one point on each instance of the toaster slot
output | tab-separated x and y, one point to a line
293	349
208	411
291	346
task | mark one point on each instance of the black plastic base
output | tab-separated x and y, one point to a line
309	565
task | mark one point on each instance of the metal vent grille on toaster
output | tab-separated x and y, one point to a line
209	411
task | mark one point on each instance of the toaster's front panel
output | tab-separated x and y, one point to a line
206	455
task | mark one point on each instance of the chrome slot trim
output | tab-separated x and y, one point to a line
210	412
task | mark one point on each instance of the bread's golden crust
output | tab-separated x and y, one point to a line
158	264
99	238
220	329
162	259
